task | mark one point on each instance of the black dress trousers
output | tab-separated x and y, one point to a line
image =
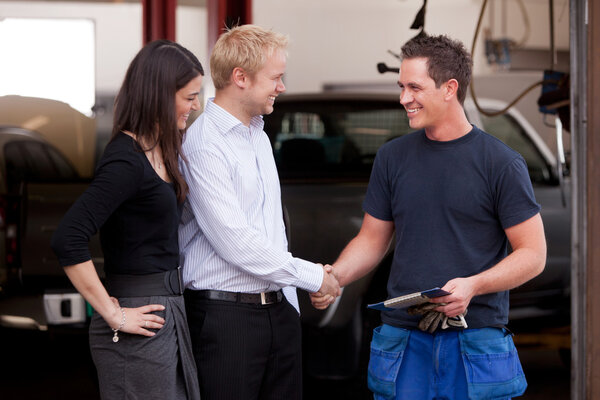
246	351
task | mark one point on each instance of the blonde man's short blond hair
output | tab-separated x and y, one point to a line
246	47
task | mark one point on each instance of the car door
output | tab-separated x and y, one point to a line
47	186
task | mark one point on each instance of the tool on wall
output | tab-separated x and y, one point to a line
418	23
498	50
472	86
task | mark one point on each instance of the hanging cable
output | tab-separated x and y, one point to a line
526	24
472	88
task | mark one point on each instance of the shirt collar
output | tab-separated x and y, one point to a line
227	121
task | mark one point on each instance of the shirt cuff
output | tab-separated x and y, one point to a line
310	275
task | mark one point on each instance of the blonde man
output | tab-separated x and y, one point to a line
241	280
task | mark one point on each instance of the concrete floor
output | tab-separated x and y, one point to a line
36	366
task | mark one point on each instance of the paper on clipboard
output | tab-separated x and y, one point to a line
409	299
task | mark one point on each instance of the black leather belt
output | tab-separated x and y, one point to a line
237	297
159	284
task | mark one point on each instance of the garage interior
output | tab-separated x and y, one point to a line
580	58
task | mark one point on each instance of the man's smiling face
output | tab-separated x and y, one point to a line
424	103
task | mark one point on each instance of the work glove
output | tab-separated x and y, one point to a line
431	319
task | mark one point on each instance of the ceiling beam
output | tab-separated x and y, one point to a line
226	14
158	20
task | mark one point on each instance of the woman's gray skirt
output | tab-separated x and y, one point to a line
160	367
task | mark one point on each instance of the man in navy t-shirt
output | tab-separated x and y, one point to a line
454	197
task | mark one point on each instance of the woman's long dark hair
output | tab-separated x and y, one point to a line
145	104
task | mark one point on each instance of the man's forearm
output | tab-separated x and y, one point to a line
527	260
517	268
358	258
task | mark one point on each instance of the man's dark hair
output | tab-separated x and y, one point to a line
446	59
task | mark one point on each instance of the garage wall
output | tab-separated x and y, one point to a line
118	31
342	40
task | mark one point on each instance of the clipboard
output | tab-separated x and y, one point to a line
409	299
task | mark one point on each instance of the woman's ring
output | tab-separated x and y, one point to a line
146	324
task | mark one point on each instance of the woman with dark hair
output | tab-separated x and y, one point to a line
138	334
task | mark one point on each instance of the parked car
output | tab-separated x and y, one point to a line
72	133
324	145
38	183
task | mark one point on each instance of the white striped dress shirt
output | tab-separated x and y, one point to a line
232	235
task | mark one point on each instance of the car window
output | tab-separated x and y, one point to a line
332	138
370	129
507	129
337	138
36	162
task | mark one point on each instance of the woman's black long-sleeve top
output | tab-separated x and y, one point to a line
134	209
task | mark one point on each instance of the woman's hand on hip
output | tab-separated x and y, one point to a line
136	320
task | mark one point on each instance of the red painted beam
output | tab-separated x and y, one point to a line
158	19
226	13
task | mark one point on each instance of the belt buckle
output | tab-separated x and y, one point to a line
263	299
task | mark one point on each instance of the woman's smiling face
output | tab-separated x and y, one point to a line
186	100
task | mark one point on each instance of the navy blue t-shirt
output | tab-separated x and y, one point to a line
450	203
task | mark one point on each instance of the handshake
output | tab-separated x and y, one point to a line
329	291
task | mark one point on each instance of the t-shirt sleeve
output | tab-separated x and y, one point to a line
117	178
516	200
377	201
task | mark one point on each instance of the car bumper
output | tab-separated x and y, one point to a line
38	312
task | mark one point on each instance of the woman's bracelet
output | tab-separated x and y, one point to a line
121	325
